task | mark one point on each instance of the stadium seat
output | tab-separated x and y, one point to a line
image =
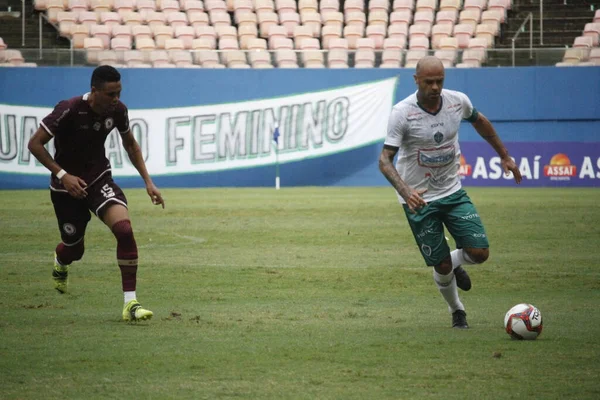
592	30
329	32
448	43
450	5
99	6
202	44
245	33
487	32
398	5
478	5
337	59
289	21
365	44
198	18
413	57
207	58
228	44
396	43
257	44
234	58
356	18
597	16
338	44
391	58
423	17
245	19
92	46
308	6
447	17
193	6
401	16
177	18
333	19
378	5
426	5
242	6
120	44
419	30
378	18
469	64
53	7
377	33
186	34
276	32
396	30
499	5
104	33
463	32
286	58
472	17
123	7
313	59
219	18
439	32
226	32
364	59
329	5
310	44
215	5
284	6
418	43
264	5
207	33
110	18
133	58
133	18
352	33
313	21
476	55
494	17
266	20
145	6
65	20
259	57
354	5
161	34
448	57
89	18
153	18
78	34
137	31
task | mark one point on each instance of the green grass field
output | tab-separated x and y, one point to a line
303	293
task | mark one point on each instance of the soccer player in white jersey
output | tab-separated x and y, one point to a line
423	131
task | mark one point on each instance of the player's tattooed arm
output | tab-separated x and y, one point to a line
411	196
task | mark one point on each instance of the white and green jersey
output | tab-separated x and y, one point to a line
429	153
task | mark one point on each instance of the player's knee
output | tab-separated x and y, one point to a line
444	267
126	246
478	256
67	253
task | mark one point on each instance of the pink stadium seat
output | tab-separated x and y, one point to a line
266	20
208	33
592	30
364	59
448	57
161	34
235	59
338	44
472	17
198	18
174	44
145	6
426	5
478	5
53	7
446	17
377	33
330	32
313	21
146	46
103	33
226	32
123	7
283	44
395	43
186	34
206	57
423	17
39	5
286	58
155	18
257	44
337	59
215	5
138	31
499	5
133	18
276	32
133	58
313	59
159	58
439	32
120	45
399	5
595	55
259	57
487	32
418	43
101	5
228	44
219	18
463	32
354	5
419	30
78	34
356	18
308	6
193	6
77	6
329	5
391	58
89	18
202	44
492	17
107	57
289	21
448	43
352	33
177	18
92	47
243	6
378	18
110	18
264	5
333	18
246	19
301	33
65	20
450	5
399	29
245	33
284	6
379	5
473	56
597	16
310	44
585	42
365	44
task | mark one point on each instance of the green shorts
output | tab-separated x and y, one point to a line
460	217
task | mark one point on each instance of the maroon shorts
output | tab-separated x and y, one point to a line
74	214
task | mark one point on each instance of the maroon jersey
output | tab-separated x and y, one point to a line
79	136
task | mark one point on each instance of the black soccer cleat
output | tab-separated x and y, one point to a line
459	320
462	279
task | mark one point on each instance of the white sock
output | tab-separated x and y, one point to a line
447	287
460	257
129	296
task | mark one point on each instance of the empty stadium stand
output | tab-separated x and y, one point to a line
303	33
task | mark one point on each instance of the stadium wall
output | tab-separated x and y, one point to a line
548	117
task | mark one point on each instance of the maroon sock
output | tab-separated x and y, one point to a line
127	255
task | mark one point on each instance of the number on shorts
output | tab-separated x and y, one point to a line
107	191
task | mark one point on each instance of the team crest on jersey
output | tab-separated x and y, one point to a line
109	123
97	126
69	229
438	137
426	250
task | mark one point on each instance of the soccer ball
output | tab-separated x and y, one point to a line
523	322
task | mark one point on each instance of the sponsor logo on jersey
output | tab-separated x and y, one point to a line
436	158
464	169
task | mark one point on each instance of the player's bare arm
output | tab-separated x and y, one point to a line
73	184
486	130
413	198
135	155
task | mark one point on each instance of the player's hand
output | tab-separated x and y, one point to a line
155	195
75	186
415	200
508	165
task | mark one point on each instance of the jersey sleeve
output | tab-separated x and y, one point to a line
122	119
395	128
469	113
58	120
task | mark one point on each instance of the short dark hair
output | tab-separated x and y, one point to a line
103	74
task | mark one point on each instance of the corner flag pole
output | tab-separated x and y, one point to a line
276	140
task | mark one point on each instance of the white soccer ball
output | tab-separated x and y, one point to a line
523	322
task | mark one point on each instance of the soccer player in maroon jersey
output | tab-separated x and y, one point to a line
81	178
